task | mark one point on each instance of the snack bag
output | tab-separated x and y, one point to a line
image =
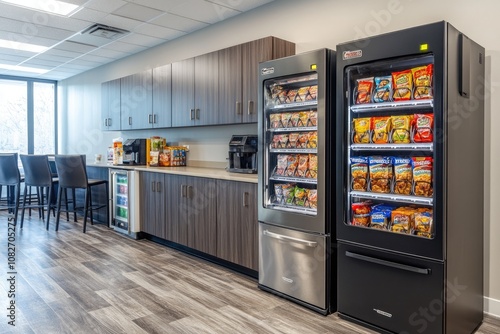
292	140
312	140
313	91
380	216
422	176
359	173
312	199
282	96
288	193
381	127
422	78
292	164
423	224
382	91
294	120
401	129
276	141
281	164
300	196
402	220
285	119
422	125
313	119
364	90
302	166
302	140
312	171
380	174
283	140
361	130
278	192
275	120
402	85
291	95
303	118
302	94
361	214
403	175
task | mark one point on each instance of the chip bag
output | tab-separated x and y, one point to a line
422	127
381	127
361	130
402	85
401	126
364	90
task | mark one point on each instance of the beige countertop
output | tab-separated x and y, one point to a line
211	173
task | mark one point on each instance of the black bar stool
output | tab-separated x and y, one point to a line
11	178
72	175
37	174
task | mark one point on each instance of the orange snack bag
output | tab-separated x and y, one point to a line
365	87
403	85
381	127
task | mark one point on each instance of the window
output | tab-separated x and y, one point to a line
27	116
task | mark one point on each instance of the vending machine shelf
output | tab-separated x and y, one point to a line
400	105
393	197
426	147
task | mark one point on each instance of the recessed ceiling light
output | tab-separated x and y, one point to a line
49	6
23	68
22	46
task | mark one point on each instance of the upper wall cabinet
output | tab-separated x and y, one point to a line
238	77
136	101
162	97
110	105
195	90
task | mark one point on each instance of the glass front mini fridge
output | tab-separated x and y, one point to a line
410	163
124	202
295	123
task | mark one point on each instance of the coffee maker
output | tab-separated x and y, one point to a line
134	152
243	154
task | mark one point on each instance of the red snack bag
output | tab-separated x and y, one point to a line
423	125
365	87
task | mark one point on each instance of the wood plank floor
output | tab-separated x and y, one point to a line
103	282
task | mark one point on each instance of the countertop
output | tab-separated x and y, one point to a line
211	173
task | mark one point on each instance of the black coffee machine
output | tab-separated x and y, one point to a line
134	152
243	154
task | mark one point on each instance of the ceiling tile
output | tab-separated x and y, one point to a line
120	22
32	30
164	5
41	63
158	31
241	5
201	10
94	58
63	53
125	47
59	59
109	53
16	53
89	15
107	6
137	12
74	47
142	40
178	22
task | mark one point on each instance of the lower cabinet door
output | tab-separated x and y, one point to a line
397	293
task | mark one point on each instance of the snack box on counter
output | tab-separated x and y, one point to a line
169	156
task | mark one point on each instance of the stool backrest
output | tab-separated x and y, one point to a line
71	171
9	170
36	170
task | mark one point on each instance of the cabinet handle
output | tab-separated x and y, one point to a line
423	271
158	187
183	190
109	121
245	199
154	118
149	119
106	122
250	107
191	114
190	192
197	113
130	120
238	108
153	186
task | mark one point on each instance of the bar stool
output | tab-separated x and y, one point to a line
72	175
37	174
11	178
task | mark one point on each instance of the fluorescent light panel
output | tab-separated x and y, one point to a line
49	6
4	43
23	69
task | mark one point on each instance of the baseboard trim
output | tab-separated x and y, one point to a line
492	307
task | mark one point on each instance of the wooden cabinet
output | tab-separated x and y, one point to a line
176	224
238	77
152	190
161	116
237	225
195	91
110	105
136	100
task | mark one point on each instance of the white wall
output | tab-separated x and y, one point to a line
310	24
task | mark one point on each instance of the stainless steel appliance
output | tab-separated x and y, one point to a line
410	226
134	152
295	122
243	154
124	206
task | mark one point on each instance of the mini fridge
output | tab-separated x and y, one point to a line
124	202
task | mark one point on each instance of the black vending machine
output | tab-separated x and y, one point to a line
410	221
